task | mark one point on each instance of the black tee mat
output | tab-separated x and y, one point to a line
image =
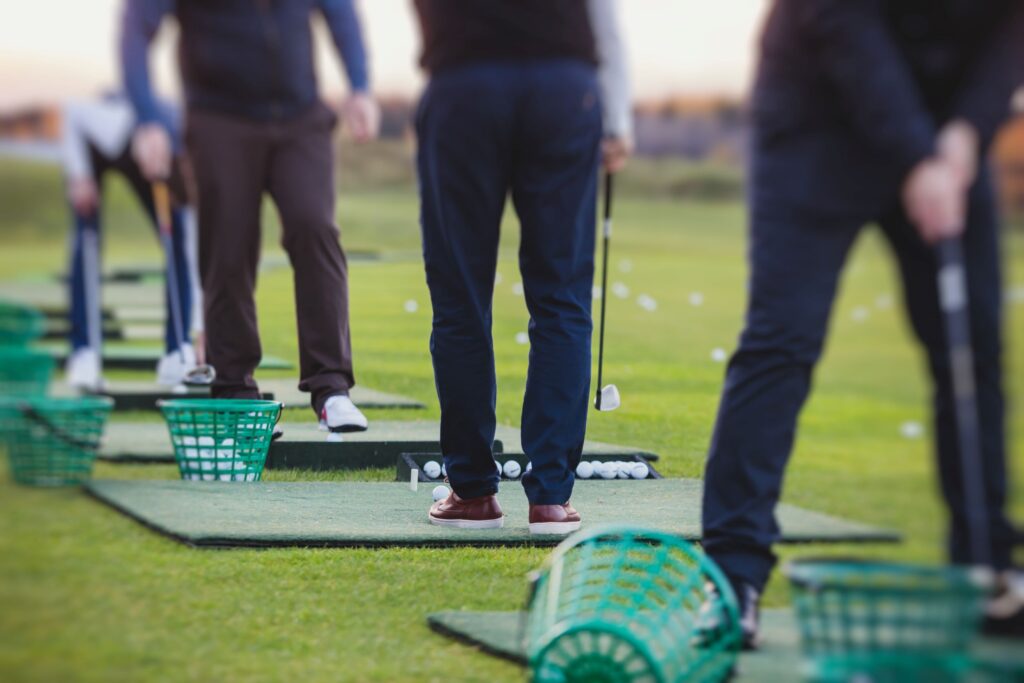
339	514
303	446
779	659
133	357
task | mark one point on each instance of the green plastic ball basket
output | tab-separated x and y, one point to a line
871	622
617	605
52	442
221	439
19	324
24	373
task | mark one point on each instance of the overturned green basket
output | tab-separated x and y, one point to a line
876	622
221	439
617	605
19	324
50	441
24	372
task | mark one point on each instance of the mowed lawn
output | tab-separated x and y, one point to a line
88	595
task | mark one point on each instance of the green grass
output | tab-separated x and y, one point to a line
87	595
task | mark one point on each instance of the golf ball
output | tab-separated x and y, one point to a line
912	430
512	469
529	466
522	338
608	470
696	299
647	303
719	355
179	389
432	469
517	289
620	290
639	471
883	302
623	469
626	266
596	293
335	437
444	470
497	466
440	493
584	470
411	306
860	314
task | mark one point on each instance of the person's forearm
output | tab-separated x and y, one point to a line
139	24
849	40
616	89
73	147
346	31
984	101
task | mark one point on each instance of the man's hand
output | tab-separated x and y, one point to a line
83	195
362	116
615	152
151	149
935	199
958	144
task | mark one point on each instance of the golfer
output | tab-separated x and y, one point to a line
96	140
514	108
873	111
255	125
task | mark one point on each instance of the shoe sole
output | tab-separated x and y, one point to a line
347	429
468	523
554	528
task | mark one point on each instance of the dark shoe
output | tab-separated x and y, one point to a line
554	519
467	513
710	620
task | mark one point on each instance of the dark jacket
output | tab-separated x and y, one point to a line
247	58
850	94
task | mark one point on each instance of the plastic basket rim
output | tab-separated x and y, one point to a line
221	405
562	630
58	403
806	573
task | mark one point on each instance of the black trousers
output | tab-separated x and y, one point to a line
797	256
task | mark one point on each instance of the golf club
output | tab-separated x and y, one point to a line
957	322
162	201
607	398
91	278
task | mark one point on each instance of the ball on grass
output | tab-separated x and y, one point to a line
440	493
512	469
584	470
432	469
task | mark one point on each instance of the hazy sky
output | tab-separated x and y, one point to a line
55	49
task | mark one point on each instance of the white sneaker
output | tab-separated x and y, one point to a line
84	371
341	415
172	368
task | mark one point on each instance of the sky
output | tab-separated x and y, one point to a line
51	50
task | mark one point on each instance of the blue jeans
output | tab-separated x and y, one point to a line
531	129
797	255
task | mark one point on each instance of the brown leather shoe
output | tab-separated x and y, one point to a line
554	519
467	513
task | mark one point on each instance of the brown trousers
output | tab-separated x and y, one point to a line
234	163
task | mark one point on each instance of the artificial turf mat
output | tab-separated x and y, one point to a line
131	357
142	395
779	660
319	514
303	446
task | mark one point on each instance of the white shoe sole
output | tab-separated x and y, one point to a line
554	528
469	523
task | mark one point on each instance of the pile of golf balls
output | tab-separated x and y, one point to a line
511	469
613	469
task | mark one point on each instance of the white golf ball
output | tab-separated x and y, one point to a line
206	441
512	469
608	470
860	314
596	293
517	288
179	389
497	467
432	469
639	471
883	302
912	430
584	470
620	290
647	303
696	299
522	338
444	470
335	437
440	493
623	469
626	266
529	467
719	355
497	278
411	306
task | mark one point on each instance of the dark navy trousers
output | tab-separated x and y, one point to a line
530	130
796	257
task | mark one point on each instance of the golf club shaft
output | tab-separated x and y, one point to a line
957	321
606	240
91	279
162	202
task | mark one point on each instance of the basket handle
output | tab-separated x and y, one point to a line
34	415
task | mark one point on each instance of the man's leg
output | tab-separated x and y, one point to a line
464	129
301	181
796	259
229	160
555	194
918	269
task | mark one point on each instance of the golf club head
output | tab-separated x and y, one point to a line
202	376
608	399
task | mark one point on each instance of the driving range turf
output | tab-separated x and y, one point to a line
86	594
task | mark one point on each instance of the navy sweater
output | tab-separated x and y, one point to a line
247	58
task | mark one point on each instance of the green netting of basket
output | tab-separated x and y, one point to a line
880	622
221	439
50	441
618	604
24	372
19	324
